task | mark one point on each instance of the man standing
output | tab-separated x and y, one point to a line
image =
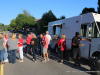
41	45
75	48
28	40
45	47
49	46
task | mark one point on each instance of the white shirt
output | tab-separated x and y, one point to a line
49	38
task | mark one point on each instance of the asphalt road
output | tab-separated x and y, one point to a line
28	67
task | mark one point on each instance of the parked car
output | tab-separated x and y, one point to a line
21	31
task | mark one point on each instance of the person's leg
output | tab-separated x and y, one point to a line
2	54
5	56
49	50
44	56
75	56
0	57
79	57
61	56
14	56
34	54
11	56
28	48
21	53
41	50
64	55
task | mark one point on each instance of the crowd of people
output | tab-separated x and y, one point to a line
10	46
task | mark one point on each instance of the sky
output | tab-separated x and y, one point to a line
9	9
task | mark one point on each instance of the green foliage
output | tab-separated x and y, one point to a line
62	17
8	27
46	18
88	10
23	20
2	27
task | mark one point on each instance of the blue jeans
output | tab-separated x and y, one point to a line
28	48
34	57
41	50
1	55
13	56
5	54
21	52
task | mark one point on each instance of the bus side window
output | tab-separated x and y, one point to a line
83	30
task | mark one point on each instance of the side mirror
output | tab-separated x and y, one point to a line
90	29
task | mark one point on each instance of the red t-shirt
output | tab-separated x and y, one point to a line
62	42
28	40
21	41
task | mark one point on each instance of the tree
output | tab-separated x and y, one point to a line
46	18
23	20
13	24
99	6
62	17
88	10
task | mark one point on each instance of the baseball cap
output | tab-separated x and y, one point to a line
77	33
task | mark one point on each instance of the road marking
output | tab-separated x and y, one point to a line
2	69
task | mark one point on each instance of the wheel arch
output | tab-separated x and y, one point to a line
96	54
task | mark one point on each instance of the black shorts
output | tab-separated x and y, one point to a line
49	47
76	53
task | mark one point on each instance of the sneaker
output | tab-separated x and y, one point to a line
61	63
47	59
6	60
21	61
35	61
44	61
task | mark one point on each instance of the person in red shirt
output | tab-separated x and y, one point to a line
45	47
20	47
62	43
28	40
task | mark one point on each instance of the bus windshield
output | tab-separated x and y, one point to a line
95	30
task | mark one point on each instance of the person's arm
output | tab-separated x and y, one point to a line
8	43
73	42
58	42
17	45
4	47
84	39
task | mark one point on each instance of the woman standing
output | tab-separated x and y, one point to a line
20	46
5	51
62	43
2	48
34	46
13	46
